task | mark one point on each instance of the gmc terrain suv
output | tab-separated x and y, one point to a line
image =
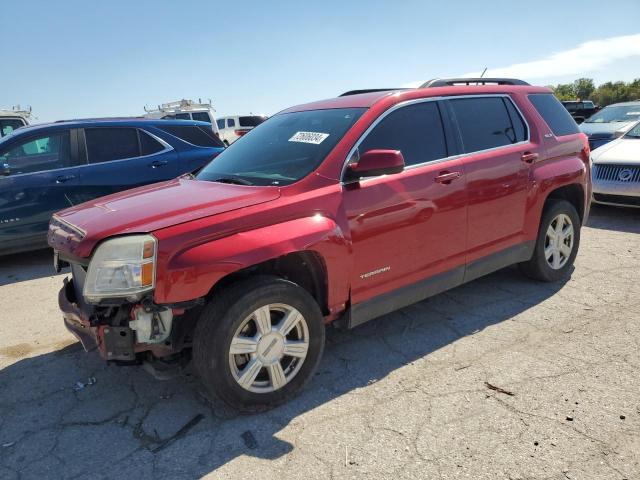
340	211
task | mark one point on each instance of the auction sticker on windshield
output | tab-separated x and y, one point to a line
309	137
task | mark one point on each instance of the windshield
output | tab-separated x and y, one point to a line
634	132
283	149
612	113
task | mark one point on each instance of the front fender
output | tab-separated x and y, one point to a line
191	273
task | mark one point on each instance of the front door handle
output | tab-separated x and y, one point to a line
529	157
64	178
447	177
158	163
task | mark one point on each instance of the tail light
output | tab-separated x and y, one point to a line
241	132
585	153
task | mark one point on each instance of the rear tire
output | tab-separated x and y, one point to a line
258	343
557	243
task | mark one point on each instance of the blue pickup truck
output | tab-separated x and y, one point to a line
49	167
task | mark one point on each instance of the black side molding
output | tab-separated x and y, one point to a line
402	297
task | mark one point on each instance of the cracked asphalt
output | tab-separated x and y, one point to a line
404	396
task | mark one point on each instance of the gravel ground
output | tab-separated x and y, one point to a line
404	396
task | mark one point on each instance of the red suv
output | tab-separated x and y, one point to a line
340	211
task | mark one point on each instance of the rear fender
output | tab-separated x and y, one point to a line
550	176
193	272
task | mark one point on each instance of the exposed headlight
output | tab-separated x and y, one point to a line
121	267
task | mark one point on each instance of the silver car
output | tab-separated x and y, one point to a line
616	170
610	123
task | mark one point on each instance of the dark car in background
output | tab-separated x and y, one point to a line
580	110
45	168
612	122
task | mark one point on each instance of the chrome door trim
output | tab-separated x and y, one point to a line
439	160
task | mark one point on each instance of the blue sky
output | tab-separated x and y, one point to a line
72	59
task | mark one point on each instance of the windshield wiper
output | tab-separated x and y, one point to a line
233	180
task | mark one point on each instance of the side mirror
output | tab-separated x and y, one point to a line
5	169
374	163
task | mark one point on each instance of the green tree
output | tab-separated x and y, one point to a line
564	91
605	94
583	88
611	92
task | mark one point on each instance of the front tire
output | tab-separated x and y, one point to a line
258	343
557	243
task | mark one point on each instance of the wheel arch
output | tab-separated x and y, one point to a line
573	193
310	251
306	268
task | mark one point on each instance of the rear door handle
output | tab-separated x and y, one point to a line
447	177
529	157
64	178
158	163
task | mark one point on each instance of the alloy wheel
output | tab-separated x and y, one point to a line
269	348
558	243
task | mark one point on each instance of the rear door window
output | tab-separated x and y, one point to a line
231	123
485	122
38	154
554	114
183	116
416	130
520	130
108	144
193	134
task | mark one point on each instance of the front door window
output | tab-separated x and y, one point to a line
38	154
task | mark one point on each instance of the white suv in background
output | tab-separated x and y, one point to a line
233	127
185	110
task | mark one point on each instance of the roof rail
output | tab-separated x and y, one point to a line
369	90
450	82
99	119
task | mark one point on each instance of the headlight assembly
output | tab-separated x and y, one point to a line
122	267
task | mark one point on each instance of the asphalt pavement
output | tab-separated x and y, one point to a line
503	378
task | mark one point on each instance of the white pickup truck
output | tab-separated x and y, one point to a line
13	118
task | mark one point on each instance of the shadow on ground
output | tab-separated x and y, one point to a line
619	219
21	267
127	423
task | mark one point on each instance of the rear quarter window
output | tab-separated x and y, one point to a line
554	114
193	134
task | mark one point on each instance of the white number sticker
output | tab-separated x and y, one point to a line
309	137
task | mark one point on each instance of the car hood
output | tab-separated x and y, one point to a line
622	150
76	230
605	128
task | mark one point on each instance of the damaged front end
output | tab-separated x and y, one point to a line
108	304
